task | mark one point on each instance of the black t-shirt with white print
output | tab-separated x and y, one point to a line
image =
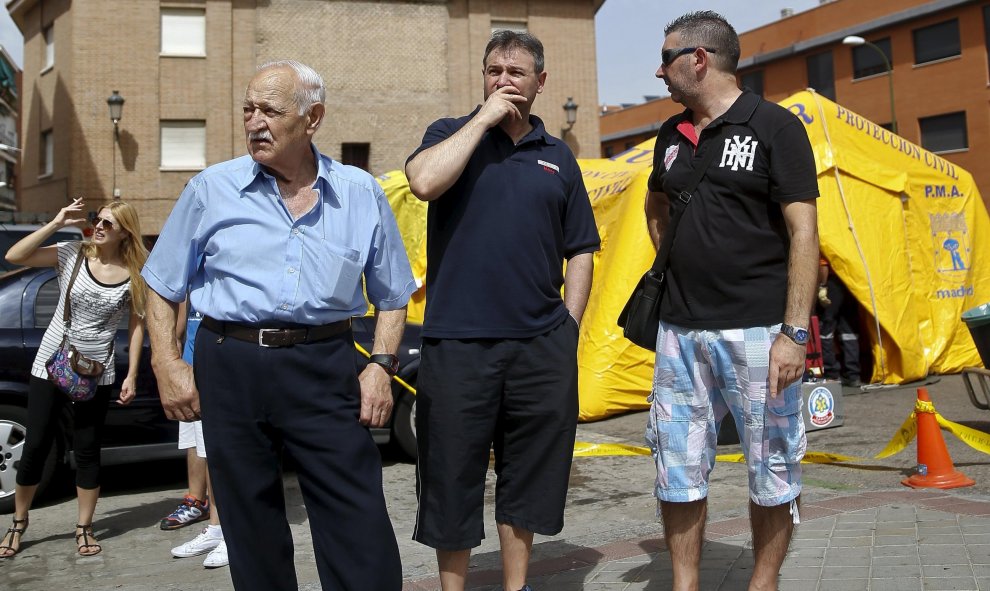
728	263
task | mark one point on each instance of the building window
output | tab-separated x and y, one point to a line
517	26
944	133
183	32
49	59
866	60
183	145
609	152
753	81
47	164
936	42
821	75
357	155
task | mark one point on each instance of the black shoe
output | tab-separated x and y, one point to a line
851	382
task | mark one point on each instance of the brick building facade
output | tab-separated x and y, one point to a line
391	68
939	53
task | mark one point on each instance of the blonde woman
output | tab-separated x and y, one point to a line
107	285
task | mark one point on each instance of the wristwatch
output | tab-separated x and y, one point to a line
798	335
389	362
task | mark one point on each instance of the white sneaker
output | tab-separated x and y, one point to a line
201	544
217	557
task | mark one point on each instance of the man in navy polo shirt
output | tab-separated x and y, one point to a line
740	286
499	358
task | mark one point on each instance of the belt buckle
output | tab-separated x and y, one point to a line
261	337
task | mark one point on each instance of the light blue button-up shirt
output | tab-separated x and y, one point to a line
233	244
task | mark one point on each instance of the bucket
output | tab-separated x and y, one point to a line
978	322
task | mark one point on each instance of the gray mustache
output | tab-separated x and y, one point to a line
260	135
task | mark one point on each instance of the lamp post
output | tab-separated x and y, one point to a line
854	41
570	114
116	104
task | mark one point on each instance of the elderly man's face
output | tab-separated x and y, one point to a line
273	127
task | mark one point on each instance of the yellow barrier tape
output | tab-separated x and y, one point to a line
585	449
402	382
908	430
978	440
901	439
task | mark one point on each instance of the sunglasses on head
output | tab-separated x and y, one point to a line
667	56
104	221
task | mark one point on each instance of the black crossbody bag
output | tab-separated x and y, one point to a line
640	317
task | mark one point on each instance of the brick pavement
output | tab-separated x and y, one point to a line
898	539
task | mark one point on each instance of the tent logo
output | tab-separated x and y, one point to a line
739	153
950	237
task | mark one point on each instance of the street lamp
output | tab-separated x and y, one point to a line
854	41
570	114
116	104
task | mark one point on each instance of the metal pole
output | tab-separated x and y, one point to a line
890	80
113	154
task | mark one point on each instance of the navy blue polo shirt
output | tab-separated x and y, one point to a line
728	263
497	239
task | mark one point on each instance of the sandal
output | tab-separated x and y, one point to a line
87	535
11	532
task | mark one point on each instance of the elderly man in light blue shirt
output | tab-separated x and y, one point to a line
272	248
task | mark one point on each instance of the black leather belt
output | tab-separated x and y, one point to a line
276	337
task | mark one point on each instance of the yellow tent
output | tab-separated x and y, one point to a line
905	229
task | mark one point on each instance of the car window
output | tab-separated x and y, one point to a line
44	306
10	237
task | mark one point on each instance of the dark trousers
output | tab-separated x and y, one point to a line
840	332
516	397
46	406
304	399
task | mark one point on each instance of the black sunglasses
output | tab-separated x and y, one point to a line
106	223
667	56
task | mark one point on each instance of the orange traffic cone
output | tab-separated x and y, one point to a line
935	469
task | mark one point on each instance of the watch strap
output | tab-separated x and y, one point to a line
388	362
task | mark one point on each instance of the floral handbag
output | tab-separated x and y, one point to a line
71	371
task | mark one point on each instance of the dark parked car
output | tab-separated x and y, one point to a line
140	431
10	234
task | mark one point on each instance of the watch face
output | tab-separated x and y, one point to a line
800	335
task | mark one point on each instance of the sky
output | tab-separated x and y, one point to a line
629	36
10	38
630	33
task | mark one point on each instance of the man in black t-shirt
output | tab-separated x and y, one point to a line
499	359
740	286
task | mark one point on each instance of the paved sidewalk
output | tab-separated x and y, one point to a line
901	540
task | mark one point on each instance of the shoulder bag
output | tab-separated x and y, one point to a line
71	371
640	317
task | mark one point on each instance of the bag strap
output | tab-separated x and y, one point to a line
67	307
663	253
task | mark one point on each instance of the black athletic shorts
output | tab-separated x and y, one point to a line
516	396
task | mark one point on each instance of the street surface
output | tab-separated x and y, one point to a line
609	501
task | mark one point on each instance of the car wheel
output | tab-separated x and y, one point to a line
404	425
13	431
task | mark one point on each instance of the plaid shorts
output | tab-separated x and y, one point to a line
702	375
